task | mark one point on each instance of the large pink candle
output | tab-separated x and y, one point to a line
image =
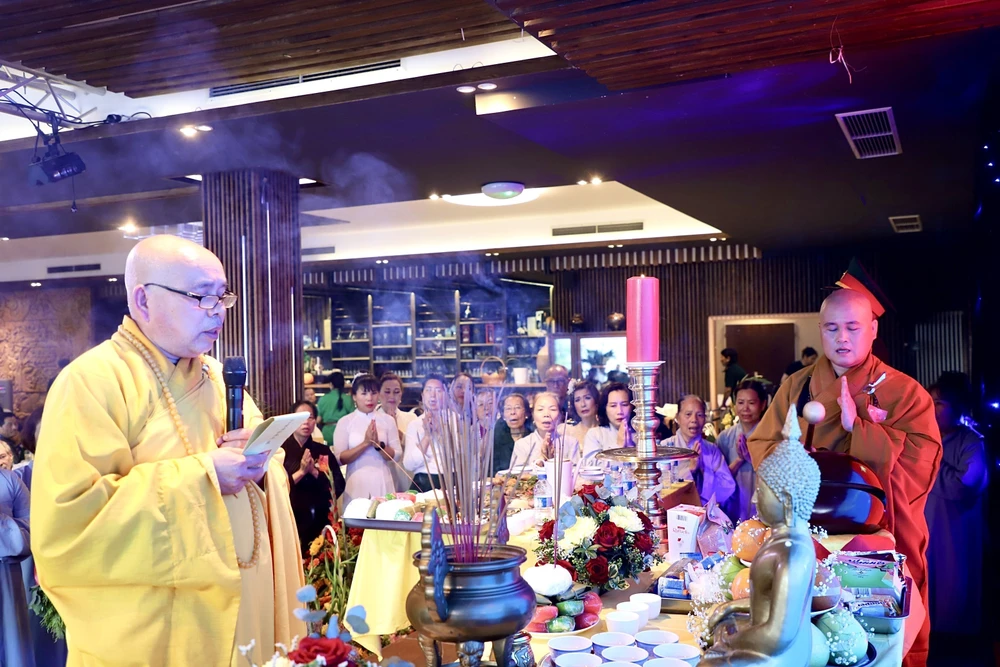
642	317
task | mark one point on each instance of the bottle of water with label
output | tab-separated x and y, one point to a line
543	499
616	480
628	477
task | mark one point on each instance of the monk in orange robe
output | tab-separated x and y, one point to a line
874	413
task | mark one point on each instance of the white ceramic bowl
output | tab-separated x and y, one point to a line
574	644
665	662
623	621
651	600
650	639
622	664
604	640
686	652
631	654
578	660
637	608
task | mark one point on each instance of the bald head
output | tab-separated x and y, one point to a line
161	274
848	328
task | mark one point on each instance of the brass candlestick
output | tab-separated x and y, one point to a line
643	381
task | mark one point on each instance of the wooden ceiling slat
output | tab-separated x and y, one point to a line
39	18
330	35
192	83
271	66
529	11
151	30
614	17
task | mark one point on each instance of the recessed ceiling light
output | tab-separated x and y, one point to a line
723	238
203	128
129	228
581	182
307	181
466	89
611	245
36	284
194	177
595	181
5	238
480	199
112	280
489	254
435	197
189	131
445	196
487	86
619	246
713	239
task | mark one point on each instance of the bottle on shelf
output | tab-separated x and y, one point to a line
543	500
316	339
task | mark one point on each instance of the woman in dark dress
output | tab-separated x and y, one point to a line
310	488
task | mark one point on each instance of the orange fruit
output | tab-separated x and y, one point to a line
741	585
748	538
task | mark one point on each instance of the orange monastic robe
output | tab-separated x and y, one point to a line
904	450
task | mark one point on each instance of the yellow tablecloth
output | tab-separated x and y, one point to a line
385	574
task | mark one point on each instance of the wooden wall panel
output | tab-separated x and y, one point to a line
252	224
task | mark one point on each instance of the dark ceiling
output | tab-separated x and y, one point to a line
150	47
626	44
757	154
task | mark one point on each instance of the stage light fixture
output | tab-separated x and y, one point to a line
55	166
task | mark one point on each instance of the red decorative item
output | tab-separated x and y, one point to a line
333	651
608	536
642	321
597	570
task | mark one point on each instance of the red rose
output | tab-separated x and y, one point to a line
597	571
545	532
587	490
600	506
608	535
334	651
646	523
566	565
643	543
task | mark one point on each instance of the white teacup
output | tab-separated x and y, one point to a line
651	600
625	622
621	664
605	640
665	662
632	654
650	639
574	644
637	608
689	654
578	660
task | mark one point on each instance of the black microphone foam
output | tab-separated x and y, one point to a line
234	374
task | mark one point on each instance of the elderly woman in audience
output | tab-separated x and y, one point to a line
614	411
583	410
751	401
367	442
6	456
511	427
15	545
390	395
541	445
709	470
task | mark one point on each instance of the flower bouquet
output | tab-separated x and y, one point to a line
602	542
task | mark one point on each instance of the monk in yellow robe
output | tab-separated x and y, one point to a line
156	539
874	413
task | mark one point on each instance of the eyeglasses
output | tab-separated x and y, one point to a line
205	301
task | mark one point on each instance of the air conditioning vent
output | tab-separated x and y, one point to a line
598	229
73	269
571	231
329	250
906	224
237	88
871	133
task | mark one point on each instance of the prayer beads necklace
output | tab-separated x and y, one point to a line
182	432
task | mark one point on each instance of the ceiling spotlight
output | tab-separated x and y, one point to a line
203	128
5	238
307	181
713	239
723	238
489	254
487	86
445	196
112	280
595	181
581	182
611	245
989	164
503	189
36	284
55	166
128	228
194	177
189	131
435	197
466	89
619	246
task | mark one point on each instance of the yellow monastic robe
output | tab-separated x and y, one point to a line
133	541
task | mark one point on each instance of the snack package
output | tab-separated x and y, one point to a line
869	569
716	531
683	524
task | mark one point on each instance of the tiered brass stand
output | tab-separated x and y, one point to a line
647	454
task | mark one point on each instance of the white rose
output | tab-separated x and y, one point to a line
625	518
583	529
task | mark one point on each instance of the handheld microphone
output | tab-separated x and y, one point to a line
234	374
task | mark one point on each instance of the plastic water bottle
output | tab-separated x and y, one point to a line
628	477
543	500
616	480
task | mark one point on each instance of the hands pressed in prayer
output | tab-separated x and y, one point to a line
848	410
741	448
308	465
548	449
621	434
696	448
